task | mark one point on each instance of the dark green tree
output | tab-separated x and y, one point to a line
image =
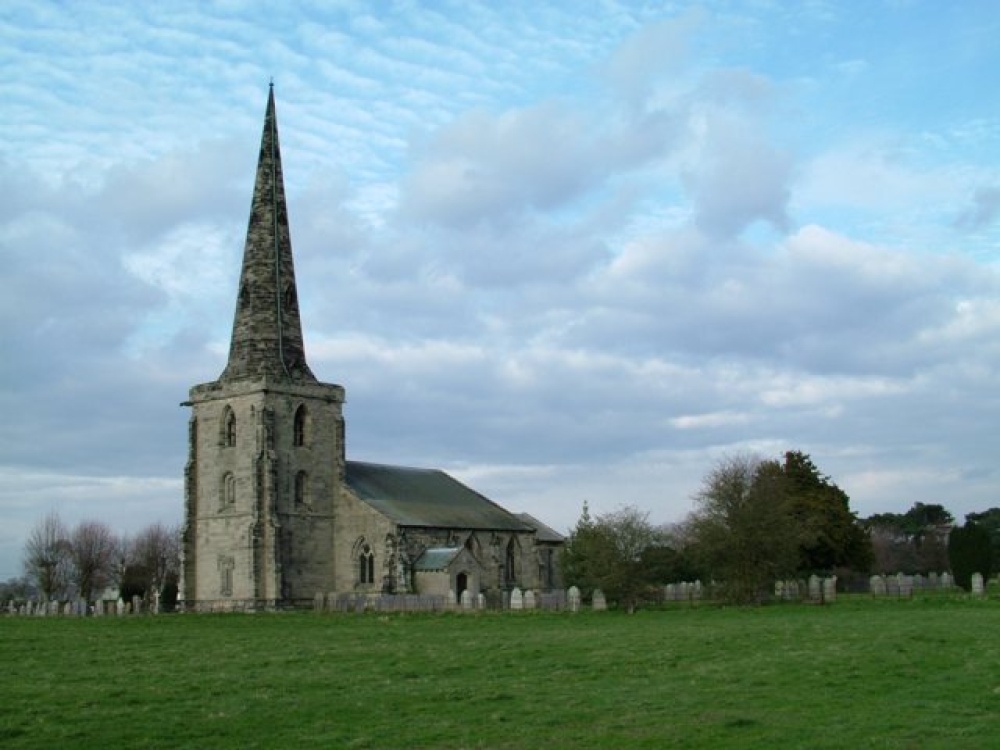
970	550
611	553
743	530
989	520
832	535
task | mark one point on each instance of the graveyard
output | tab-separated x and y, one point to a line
918	671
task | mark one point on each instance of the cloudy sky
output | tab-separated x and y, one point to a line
566	251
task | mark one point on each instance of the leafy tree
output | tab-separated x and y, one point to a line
911	542
970	550
832	535
46	556
92	547
611	553
743	528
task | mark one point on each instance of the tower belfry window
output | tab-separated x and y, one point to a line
228	428
300	427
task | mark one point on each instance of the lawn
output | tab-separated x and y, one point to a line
922	673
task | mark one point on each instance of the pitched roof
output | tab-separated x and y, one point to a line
267	332
428	498
543	533
436	558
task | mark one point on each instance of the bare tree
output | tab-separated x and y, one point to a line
46	556
154	557
92	548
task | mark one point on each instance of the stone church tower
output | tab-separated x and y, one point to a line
266	440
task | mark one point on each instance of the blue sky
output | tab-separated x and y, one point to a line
566	251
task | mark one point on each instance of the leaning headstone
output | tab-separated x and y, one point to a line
516	599
529	599
598	601
876	584
977	584
573	599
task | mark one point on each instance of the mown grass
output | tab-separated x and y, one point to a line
862	674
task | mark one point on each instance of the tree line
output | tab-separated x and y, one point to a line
62	562
758	520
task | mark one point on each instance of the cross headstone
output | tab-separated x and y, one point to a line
598	601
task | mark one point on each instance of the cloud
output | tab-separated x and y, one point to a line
984	210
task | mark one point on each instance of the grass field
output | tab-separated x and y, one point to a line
858	674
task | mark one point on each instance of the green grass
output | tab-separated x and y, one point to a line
858	674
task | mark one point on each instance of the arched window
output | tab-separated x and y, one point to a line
301	488
366	565
300	427
228	490
228	428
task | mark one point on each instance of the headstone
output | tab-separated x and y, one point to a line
905	585
779	590
453	597
918	582
830	589
516	599
53	608
529	599
573	599
670	592
120	607
696	589
480	601
876	584
947	581
136	604
11	609
815	589
977	584
319	602
467	599
598	601
933	580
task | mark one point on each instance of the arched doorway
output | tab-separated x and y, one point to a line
461	584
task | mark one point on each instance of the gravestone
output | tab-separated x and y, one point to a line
11	609
933	580
516	599
480	601
573	599
670	592
779	590
918	582
815	588
876	584
120	607
318	602
696	590
947	581
467	599
830	589
529	599
598	601
977	584
136	604
905	585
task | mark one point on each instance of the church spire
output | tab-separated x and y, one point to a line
267	332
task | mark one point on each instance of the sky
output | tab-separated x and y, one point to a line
568	252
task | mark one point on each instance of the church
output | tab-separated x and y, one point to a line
274	513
